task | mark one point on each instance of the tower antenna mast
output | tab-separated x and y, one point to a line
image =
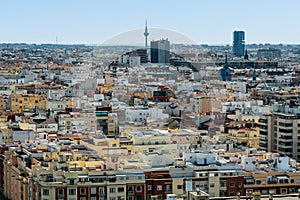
146	34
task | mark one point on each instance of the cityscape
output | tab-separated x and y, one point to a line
148	114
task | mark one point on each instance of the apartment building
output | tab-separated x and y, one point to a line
20	103
107	121
203	104
151	141
266	133
244	135
3	104
75	120
279	131
217	181
158	184
138	114
112	150
272	182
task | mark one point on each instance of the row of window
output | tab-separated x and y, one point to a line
93	190
26	99
264	182
156	142
159	187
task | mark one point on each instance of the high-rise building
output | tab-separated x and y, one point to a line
279	131
238	43
160	51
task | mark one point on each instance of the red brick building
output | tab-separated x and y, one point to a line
158	183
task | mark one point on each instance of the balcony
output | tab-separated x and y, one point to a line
263	128
263	121
285	142
284	146
285	134
263	141
285	129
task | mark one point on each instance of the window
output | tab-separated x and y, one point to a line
130	190
93	198
149	187
138	197
264	191
112	190
72	181
45	192
159	187
138	188
212	185
82	190
120	189
232	184
283	190
223	183
168	188
179	187
60	193
82	198
93	190
72	191
101	191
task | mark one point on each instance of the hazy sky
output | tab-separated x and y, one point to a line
95	21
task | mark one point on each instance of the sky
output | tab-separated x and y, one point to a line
96	21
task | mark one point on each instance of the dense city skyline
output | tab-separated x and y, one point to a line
149	100
206	22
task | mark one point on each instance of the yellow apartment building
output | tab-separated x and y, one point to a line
19	103
249	136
